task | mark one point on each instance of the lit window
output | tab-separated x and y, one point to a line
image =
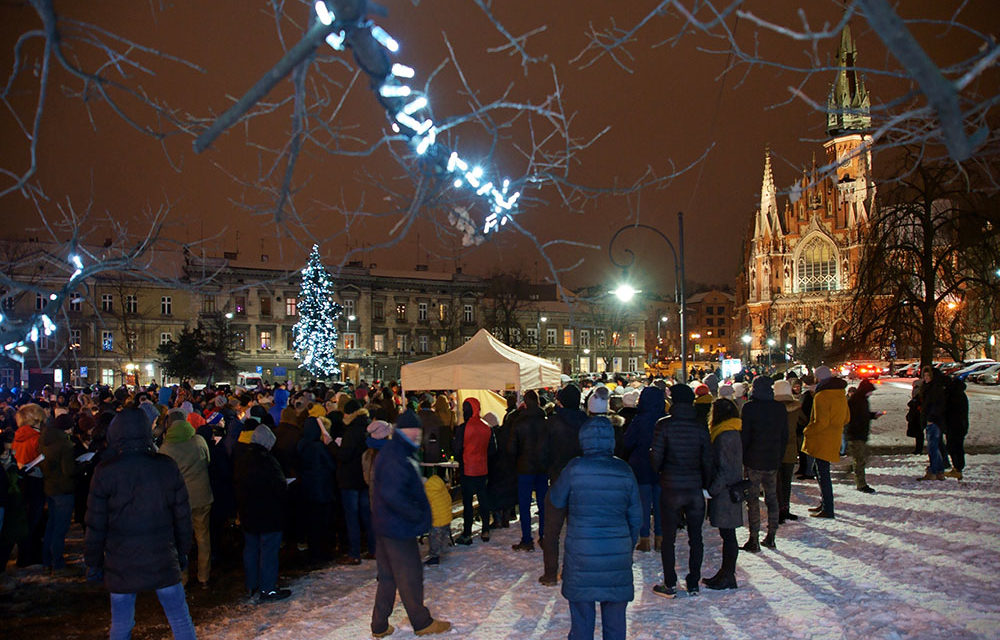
166	338
74	339
265	340
108	377
443	312
567	337
133	340
378	342
349	307
166	305
240	302
817	266
108	340
532	334
444	343
350	341
401	312
633	339
291	306
467	313
401	342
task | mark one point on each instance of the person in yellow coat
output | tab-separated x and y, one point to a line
440	535
823	433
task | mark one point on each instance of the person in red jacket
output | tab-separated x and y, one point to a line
473	445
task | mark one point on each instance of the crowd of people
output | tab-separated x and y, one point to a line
347	474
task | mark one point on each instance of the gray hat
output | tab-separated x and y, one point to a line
264	437
176	415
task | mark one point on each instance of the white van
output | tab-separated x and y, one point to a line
249	380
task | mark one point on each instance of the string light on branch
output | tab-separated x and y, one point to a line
405	115
15	337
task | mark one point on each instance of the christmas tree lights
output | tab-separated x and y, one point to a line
316	331
421	133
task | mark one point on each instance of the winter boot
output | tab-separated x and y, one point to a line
752	545
657	542
436	626
643	544
708	582
953	473
727	581
769	540
388	632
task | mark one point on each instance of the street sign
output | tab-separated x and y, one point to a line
260	369
280	371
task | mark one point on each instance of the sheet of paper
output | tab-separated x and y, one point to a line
34	463
86	456
289	480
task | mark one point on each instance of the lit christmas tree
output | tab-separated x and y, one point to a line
316	331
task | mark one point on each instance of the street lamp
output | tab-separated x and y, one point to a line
679	296
538	337
770	348
747	339
788	351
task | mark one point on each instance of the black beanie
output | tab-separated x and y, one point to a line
681	394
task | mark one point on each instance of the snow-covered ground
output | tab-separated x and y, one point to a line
916	560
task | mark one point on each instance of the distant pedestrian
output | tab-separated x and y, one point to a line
933	416
138	526
957	405
858	431
821	437
725	506
764	435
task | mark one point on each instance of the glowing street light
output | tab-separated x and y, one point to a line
625	292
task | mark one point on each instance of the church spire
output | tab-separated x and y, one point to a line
767	217
849	106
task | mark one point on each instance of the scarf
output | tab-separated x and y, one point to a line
729	424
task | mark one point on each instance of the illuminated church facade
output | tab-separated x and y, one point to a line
802	253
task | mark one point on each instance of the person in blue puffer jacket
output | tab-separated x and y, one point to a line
638	439
601	496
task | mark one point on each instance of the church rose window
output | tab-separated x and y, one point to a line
817	266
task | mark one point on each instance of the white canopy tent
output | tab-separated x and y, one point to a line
481	363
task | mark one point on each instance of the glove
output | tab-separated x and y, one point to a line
95	574
738	490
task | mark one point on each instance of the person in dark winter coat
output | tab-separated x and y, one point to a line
502	483
682	453
316	473
351	481
914	429
529	444
858	430
138	526
474	444
793	407
934	417
725	507
431	440
401	513
261	495
564	445
957	419
59	470
638	439
601	497
764	434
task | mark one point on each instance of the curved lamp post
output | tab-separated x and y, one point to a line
626	292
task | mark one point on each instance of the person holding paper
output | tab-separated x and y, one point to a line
29	426
59	469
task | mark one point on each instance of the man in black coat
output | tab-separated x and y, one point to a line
529	445
261	494
138	526
765	436
564	445
957	425
682	454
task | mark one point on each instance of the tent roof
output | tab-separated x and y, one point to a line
481	363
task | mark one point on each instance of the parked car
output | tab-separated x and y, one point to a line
977	376
862	370
990	376
949	368
963	374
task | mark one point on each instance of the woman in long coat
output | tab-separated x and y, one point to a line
724	511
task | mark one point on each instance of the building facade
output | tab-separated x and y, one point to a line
802	255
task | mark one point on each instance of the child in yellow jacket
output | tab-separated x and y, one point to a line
440	535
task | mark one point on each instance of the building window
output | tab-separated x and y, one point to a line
466	339
550	337
208	304
131	304
291	307
265	340
722	333
350	341
467	314
710	322
106	302
817	266
584	364
349	305
74	339
602	340
401	342
75	301
108	377
422	312
39	302
633	339
133	341
43	343
240	340
289	338
443	312
584	337
567	337
166	305
166	338
401	312
424	342
633	364
108	340
240	304
532	334
265	306
378	342
444	343
378	310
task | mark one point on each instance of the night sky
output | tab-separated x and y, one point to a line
673	107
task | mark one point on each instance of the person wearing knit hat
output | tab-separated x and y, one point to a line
726	391
702	402
712	382
684	474
793	409
822	436
630	399
597	403
176	415
379	429
261	498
